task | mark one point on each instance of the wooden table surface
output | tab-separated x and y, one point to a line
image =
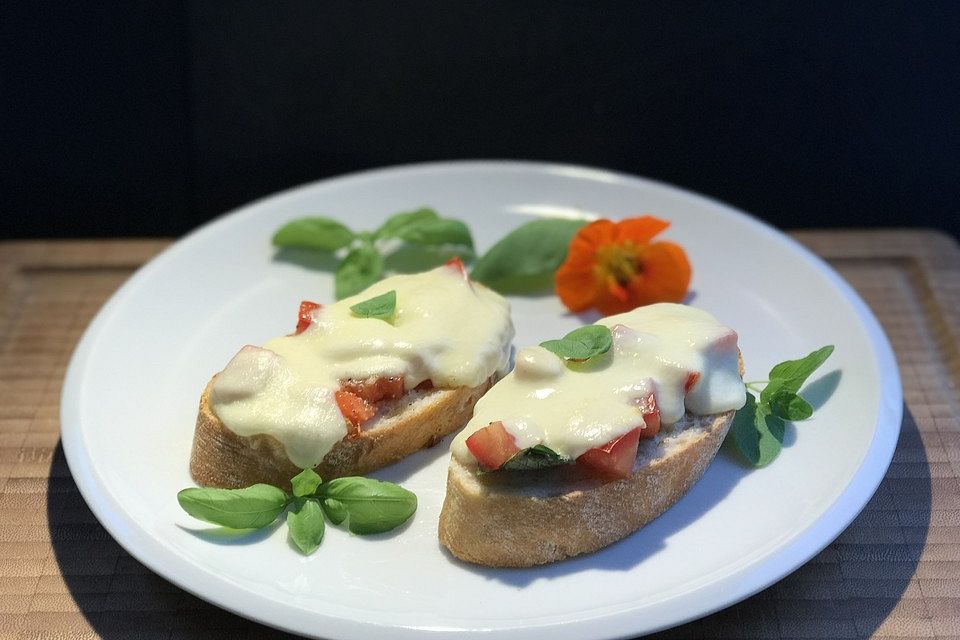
894	573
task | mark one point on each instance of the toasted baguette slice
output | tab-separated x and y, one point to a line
221	458
526	518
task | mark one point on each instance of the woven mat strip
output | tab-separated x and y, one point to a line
894	573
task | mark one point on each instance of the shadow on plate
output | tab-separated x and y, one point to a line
119	597
848	590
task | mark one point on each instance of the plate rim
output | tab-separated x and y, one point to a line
768	570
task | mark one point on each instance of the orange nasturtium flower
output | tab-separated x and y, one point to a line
615	267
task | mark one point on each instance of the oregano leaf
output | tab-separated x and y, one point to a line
790	375
382	307
582	344
790	406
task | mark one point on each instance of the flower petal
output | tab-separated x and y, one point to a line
577	288
596	233
664	274
640	230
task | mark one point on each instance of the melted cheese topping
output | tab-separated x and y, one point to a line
446	329
571	407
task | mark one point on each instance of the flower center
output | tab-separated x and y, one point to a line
618	261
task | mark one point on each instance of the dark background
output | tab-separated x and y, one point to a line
147	118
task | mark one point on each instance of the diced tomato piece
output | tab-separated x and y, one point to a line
390	388
426	385
375	389
616	458
355	409
651	416
457	264
305	317
692	379
492	446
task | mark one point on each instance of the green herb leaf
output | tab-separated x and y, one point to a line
535	457
789	376
362	267
305	483
250	508
757	433
381	307
437	232
373	506
528	256
395	224
305	525
582	344
325	234
790	406
334	510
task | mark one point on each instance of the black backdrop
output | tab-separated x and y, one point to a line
147	118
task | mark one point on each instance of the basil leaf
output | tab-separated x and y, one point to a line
305	483
334	510
437	232
362	267
395	224
414	258
305	525
535	457
381	307
528	255
790	406
325	234
373	506
251	508
757	433
582	344
789	376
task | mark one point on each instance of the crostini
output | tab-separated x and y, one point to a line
355	387
564	457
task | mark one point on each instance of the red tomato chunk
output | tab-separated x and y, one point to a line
492	446
305	317
375	389
616	458
355	409
457	264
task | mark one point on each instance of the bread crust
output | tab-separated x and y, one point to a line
221	458
522	519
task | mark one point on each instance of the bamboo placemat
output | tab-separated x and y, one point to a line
895	572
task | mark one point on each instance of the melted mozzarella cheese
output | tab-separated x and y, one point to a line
571	407
446	329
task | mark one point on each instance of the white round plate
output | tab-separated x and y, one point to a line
131	393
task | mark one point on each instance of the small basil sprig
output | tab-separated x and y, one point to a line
759	427
364	263
367	505
582	344
526	258
381	307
